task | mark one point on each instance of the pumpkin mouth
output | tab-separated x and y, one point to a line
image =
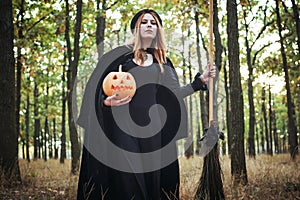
122	87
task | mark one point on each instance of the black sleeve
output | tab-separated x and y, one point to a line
170	80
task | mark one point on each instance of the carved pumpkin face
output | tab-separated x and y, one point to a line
121	83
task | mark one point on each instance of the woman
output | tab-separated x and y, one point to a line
145	165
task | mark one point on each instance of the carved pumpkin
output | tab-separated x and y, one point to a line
121	83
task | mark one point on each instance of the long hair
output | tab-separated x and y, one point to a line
158	43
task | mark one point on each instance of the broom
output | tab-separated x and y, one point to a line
210	185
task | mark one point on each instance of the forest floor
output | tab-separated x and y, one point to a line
269	177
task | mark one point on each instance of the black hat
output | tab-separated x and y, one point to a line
137	15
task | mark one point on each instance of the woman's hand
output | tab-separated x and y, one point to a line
114	101
210	72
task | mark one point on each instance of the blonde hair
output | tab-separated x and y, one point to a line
158	43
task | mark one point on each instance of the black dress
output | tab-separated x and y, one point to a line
140	127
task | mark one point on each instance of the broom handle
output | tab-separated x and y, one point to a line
211	80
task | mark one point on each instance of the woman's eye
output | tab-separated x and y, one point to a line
146	22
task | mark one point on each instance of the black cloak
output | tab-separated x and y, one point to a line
107	173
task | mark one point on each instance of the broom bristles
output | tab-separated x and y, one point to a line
211	185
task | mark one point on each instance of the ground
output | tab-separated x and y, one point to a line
270	177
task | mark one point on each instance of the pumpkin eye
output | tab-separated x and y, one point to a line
115	77
128	77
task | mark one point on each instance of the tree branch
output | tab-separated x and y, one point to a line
260	50
41	19
261	32
107	8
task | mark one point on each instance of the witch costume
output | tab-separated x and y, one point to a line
130	151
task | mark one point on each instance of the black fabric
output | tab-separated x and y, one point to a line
98	181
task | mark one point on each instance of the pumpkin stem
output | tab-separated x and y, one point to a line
120	68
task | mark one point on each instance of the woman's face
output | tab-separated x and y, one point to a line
148	27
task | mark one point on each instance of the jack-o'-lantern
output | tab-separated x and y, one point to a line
120	83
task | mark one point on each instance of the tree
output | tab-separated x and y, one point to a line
238	163
37	123
101	24
249	7
265	119
202	95
73	60
27	117
297	21
292	130
63	113
203	103
191	108
250	92
9	165
217	53
20	30
270	120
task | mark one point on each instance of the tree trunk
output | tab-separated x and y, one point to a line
218	54
223	142
238	162
23	148
292	129
22	142
63	113
203	102
9	164
297	20
36	135
270	121
228	110
187	147
198	133
40	139
27	117
257	138
251	143
284	143
73	59
298	114
55	139
217	38
19	65
264	111
261	126
100	29
191	148
275	132
45	138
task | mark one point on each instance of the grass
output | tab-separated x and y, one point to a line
42	180
269	177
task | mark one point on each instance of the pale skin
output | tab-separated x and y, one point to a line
148	30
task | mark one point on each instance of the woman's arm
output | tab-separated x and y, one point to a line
171	81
